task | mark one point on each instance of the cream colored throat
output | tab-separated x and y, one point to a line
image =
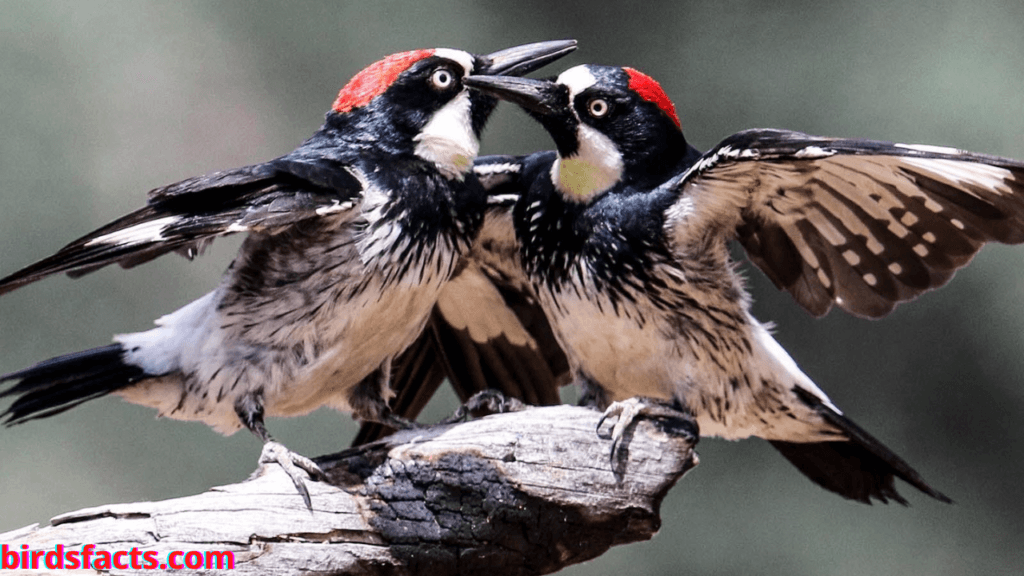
448	139
596	167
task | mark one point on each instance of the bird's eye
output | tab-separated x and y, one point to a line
442	78
598	107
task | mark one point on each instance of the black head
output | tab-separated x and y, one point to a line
416	101
609	125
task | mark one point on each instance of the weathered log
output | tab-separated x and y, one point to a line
528	492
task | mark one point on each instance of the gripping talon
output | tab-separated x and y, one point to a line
296	466
395	421
490	400
627	412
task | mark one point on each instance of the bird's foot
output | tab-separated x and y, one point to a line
397	422
298	468
627	412
488	401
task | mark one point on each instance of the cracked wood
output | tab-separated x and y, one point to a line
528	492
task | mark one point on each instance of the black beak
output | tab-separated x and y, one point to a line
542	97
523	59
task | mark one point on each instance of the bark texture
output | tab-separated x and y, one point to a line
528	492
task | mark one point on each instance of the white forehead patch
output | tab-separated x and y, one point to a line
463	58
577	79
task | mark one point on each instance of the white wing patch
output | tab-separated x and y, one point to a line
930	149
814	152
140	233
494	175
334	208
502	200
493	169
960	173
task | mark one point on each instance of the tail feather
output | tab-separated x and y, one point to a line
844	468
61	383
860	469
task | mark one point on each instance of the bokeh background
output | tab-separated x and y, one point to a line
100	102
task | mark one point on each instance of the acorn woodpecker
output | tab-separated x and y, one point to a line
624	232
352	238
487	331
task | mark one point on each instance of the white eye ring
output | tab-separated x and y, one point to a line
442	78
598	107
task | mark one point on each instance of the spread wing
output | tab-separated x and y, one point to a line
186	216
860	224
487	330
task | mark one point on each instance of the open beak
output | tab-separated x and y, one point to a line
524	59
539	96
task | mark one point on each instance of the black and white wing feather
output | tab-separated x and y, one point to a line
860	224
501	177
186	216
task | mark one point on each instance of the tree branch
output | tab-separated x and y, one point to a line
528	492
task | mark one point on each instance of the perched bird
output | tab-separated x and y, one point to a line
352	238
487	331
624	233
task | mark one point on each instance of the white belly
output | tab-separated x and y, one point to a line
733	390
298	347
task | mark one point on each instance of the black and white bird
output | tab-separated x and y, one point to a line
352	238
625	232
487	331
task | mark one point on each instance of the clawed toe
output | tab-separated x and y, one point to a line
627	412
490	400
298	468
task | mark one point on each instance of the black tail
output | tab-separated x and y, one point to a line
61	383
860	469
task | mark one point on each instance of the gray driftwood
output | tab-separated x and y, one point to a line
528	492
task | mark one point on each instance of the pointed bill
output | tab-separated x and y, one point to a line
524	59
540	96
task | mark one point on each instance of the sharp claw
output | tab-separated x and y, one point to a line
607	414
309	466
490	399
398	423
304	492
613	452
627	412
460	415
298	468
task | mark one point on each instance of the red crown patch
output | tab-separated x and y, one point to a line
649	89
373	80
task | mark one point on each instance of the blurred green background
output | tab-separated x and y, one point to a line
100	102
